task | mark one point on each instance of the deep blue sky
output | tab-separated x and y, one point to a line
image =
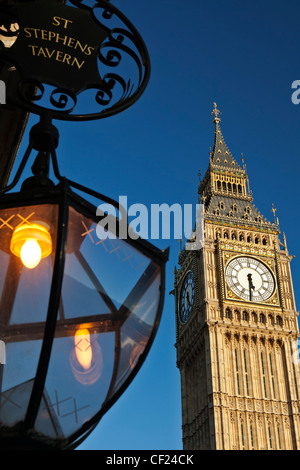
243	55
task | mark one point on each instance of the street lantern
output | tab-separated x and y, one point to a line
80	303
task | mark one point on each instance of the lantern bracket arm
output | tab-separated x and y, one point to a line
44	138
19	171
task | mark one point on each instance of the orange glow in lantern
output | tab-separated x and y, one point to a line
31	243
83	348
86	358
31	254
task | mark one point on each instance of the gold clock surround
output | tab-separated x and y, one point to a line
269	261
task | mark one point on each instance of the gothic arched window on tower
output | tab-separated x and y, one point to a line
270	437
279	441
228	313
237	372
246	372
242	435
254	317
262	318
251	437
245	316
272	375
263	373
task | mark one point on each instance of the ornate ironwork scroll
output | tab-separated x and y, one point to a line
79	61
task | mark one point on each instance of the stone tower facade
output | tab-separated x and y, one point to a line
236	321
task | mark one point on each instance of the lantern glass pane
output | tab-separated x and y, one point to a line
24	297
109	306
137	328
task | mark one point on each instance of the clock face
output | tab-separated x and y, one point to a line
250	279
187	296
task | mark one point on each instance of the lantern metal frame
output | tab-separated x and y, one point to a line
39	190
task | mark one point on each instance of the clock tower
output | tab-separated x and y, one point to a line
236	321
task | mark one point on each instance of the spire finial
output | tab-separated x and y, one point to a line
274	212
216	112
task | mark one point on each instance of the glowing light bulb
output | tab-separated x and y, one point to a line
83	348
31	254
31	242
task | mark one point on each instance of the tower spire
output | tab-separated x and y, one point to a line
221	155
225	190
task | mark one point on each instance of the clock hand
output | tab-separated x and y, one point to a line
251	286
